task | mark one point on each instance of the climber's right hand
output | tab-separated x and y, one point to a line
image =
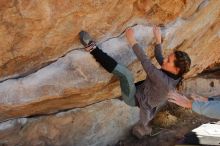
157	34
129	33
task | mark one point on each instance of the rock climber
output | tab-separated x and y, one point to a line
152	93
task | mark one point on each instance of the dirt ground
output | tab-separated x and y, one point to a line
169	127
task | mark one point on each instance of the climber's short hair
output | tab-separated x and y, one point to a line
182	61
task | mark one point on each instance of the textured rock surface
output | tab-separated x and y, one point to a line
37	32
96	125
204	85
43	70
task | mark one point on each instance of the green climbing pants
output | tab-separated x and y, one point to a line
128	88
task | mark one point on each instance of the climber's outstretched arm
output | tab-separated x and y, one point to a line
156	75
158	48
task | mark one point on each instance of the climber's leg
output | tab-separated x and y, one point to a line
142	128
126	79
128	88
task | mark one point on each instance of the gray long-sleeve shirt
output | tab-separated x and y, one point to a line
154	90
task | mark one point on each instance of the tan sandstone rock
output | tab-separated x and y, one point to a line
43	70
34	33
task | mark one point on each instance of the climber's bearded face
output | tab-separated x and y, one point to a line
169	64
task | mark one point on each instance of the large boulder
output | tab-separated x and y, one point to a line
44	70
35	33
205	85
100	124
